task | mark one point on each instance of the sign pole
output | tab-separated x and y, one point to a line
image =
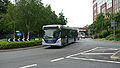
113	24
114	30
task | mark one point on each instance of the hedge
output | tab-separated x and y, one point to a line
112	37
102	34
20	44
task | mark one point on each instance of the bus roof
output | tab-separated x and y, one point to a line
59	26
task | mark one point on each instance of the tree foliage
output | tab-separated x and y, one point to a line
4	19
3	6
101	27
28	17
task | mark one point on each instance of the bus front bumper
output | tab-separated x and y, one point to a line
58	43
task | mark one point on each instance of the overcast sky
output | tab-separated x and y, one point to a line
78	12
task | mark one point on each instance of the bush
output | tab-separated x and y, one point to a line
117	31
95	36
112	37
108	37
117	37
103	34
20	44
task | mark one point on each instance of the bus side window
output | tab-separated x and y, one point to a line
63	33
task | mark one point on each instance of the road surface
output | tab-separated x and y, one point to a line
84	53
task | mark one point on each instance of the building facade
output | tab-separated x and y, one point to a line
102	6
116	5
95	9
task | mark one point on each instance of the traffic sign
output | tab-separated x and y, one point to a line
113	23
19	34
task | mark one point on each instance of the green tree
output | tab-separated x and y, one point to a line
101	25
62	19
5	26
3	6
117	19
28	16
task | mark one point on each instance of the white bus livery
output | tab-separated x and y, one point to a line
58	35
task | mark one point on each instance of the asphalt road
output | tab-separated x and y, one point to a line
85	53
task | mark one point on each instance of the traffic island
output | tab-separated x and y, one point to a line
116	56
18	44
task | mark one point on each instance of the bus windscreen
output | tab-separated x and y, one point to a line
52	33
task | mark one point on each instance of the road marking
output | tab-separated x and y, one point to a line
82	52
57	59
74	54
115	53
107	49
85	53
91	49
29	66
113	57
95	60
98	53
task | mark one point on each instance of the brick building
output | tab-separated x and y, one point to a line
116	5
102	6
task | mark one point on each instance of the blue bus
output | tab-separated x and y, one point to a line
58	35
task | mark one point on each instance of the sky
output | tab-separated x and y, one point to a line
78	12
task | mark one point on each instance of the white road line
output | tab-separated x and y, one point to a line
107	49
95	60
113	57
91	49
29	66
82	52
57	59
74	55
115	53
98	53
